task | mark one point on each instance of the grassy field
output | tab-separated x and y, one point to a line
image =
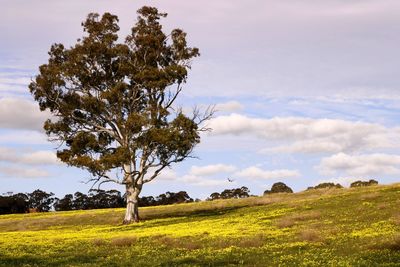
337	227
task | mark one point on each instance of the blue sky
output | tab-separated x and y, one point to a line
307	92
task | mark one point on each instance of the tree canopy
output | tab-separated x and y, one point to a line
113	103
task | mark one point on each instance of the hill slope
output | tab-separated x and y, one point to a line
338	227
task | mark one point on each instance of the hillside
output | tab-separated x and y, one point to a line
336	227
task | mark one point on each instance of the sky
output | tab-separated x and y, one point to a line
306	91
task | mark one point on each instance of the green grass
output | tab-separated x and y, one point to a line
337	227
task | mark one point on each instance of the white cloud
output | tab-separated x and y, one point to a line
211	169
43	157
307	146
201	181
19	113
360	165
196	176
229	106
166	175
16	80
256	173
21	172
23	137
307	135
39	158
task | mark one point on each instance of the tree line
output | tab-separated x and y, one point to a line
41	201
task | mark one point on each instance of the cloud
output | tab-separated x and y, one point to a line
13	81
21	172
308	135
166	175
211	169
201	181
256	173
39	158
276	48
19	113
196	175
23	137
43	157
229	106
360	165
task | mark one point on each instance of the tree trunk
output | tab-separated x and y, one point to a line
132	205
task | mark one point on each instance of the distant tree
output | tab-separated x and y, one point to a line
364	183
40	200
278	188
66	203
325	185
167	198
113	103
17	203
241	192
101	199
179	197
214	196
21	196
147	201
82	202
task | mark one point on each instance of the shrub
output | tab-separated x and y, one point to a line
278	188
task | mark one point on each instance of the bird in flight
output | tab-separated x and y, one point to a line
230	180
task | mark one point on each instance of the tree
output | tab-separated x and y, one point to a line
81	202
113	104
65	203
40	200
10	203
364	183
242	192
278	187
325	185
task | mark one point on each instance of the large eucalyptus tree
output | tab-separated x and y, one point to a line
113	102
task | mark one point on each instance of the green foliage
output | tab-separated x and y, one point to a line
40	200
113	102
241	192
278	188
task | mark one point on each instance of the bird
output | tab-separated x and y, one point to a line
230	180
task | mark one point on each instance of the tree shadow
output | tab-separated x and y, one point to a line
179	217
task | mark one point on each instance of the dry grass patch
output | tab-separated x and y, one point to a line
396	219
98	242
290	220
395	243
286	222
246	242
383	206
310	235
252	241
124	241
392	244
185	243
370	195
